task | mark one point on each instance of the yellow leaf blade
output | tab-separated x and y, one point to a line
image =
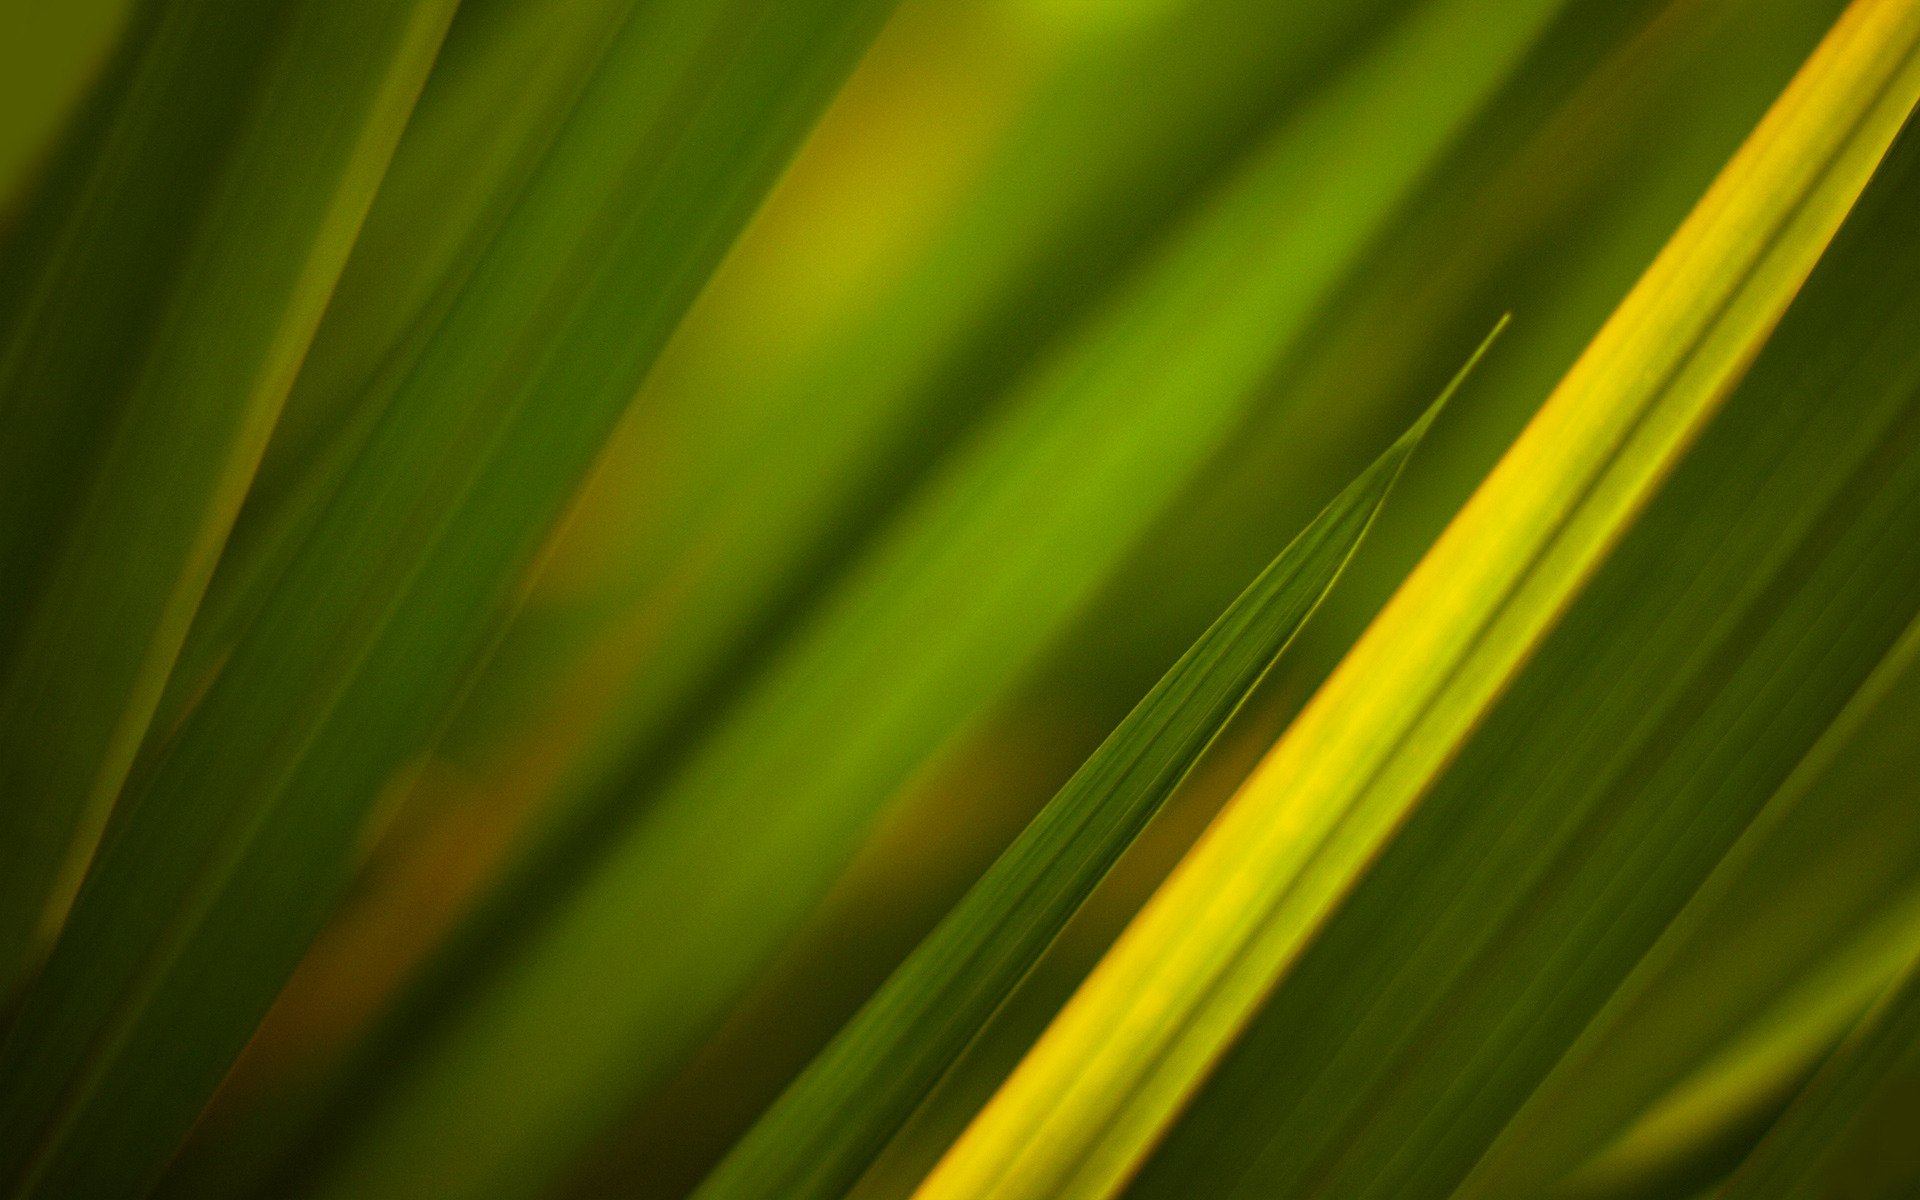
1118	1063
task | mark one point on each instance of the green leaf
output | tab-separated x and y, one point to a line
45	69
1805	922
1850	1131
216	183
507	80
1739	617
667	919
244	822
1105	1082
1152	117
826	1128
1565	161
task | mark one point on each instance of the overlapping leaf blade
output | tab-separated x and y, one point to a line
1142	1034
784	462
1767	581
1802	925
1152	120
999	551
1850	1131
507	81
1471	959
823	1132
1518	216
244	822
217	181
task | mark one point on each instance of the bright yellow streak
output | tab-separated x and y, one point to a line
1113	1070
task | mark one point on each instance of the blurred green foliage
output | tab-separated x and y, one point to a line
544	547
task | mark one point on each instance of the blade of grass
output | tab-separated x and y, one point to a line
216	184
244	824
1108	1077
785	461
824	1131
1690	1131
1575	193
1850	1131
668	918
46	67
507	81
1802	925
1710	653
1552	213
782	461
1318	444
778	487
787	475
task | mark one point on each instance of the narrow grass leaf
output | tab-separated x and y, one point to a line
244	823
1111	1073
667	919
216	183
1806	921
824	1131
1738	618
1850	1131
783	484
502	90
